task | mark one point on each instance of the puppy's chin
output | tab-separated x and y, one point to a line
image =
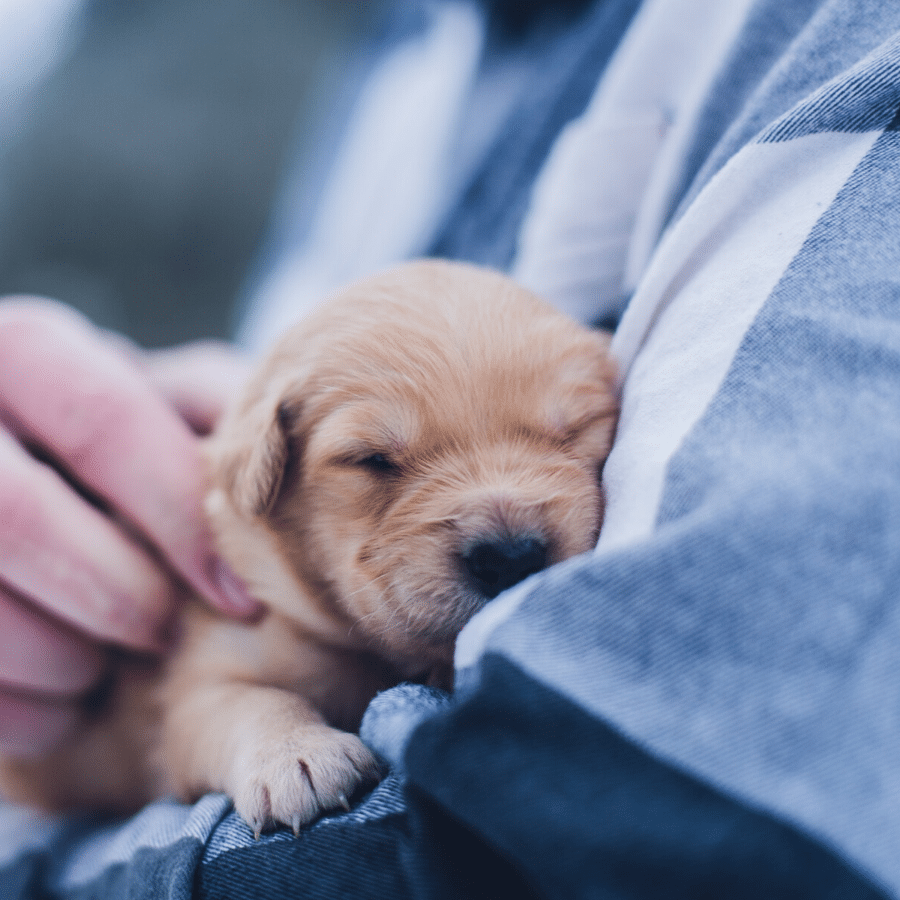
414	631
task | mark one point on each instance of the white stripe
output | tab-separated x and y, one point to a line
591	201
704	288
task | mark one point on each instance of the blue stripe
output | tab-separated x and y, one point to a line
865	99
786	53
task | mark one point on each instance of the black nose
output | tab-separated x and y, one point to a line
497	565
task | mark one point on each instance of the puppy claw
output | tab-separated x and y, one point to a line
310	773
304	768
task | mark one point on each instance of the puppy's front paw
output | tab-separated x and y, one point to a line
297	777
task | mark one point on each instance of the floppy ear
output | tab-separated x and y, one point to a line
250	453
257	485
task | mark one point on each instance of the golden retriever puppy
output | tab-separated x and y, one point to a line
429	438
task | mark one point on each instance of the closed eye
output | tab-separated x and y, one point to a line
379	462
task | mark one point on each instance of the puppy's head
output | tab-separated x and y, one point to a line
431	437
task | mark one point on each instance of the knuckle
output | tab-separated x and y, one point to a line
95	424
23	316
75	391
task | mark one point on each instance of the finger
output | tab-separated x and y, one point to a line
198	379
39	654
32	727
86	405
66	556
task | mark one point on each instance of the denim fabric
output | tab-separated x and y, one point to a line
615	820
356	854
153	855
393	716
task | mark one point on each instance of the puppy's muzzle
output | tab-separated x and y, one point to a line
497	564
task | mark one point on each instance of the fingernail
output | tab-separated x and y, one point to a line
233	591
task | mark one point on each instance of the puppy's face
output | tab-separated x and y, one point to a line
432	437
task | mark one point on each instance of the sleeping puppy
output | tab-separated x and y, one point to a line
429	438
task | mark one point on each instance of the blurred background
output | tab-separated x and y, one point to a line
142	143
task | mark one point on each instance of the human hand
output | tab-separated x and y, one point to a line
100	523
198	379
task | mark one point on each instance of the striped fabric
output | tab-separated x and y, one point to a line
709	704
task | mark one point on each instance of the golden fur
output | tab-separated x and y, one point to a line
420	417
